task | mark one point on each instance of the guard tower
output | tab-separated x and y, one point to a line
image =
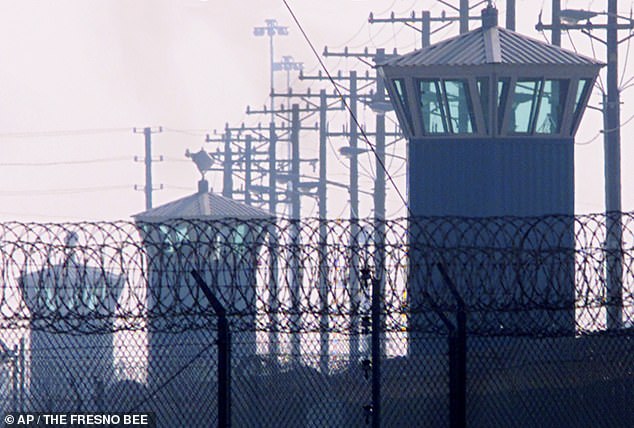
490	117
71	371
220	238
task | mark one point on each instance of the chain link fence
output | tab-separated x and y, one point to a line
106	317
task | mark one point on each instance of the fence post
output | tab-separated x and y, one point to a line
458	372
224	354
457	359
376	353
22	371
15	378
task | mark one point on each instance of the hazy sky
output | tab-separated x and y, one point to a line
78	75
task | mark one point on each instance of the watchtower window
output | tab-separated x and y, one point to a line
433	107
399	86
524	105
502	96
537	106
551	106
483	92
446	106
583	87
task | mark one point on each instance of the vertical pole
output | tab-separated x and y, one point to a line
248	141
376	352
464	16
457	357
272	168
295	175
458	371
323	234
272	59
224	373
354	158
510	15
612	149
426	29
224	354
22	371
354	218
273	294
556	20
227	180
147	133
15	378
295	268
379	182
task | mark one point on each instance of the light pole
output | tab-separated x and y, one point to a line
287	64
271	30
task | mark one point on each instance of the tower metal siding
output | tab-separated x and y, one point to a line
492	178
483	177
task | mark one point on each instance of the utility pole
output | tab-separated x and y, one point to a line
289	171
238	155
354	218
295	271
612	148
248	179
278	169
425	19
227	181
555	37
321	184
324	356
274	243
227	163
612	139
464	16
352	151
380	107
510	15
149	187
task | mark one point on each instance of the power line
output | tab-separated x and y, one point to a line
191	132
46	192
62	133
345	103
61	163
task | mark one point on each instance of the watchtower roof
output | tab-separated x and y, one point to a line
492	45
203	205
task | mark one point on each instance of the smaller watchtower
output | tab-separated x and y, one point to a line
220	238
70	371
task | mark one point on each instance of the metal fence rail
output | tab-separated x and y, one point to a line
106	316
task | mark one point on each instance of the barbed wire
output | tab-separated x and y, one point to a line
516	275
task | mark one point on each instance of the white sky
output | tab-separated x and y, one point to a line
191	66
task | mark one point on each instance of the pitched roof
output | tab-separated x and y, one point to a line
204	206
493	45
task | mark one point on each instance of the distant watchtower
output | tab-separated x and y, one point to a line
490	117
220	238
70	371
